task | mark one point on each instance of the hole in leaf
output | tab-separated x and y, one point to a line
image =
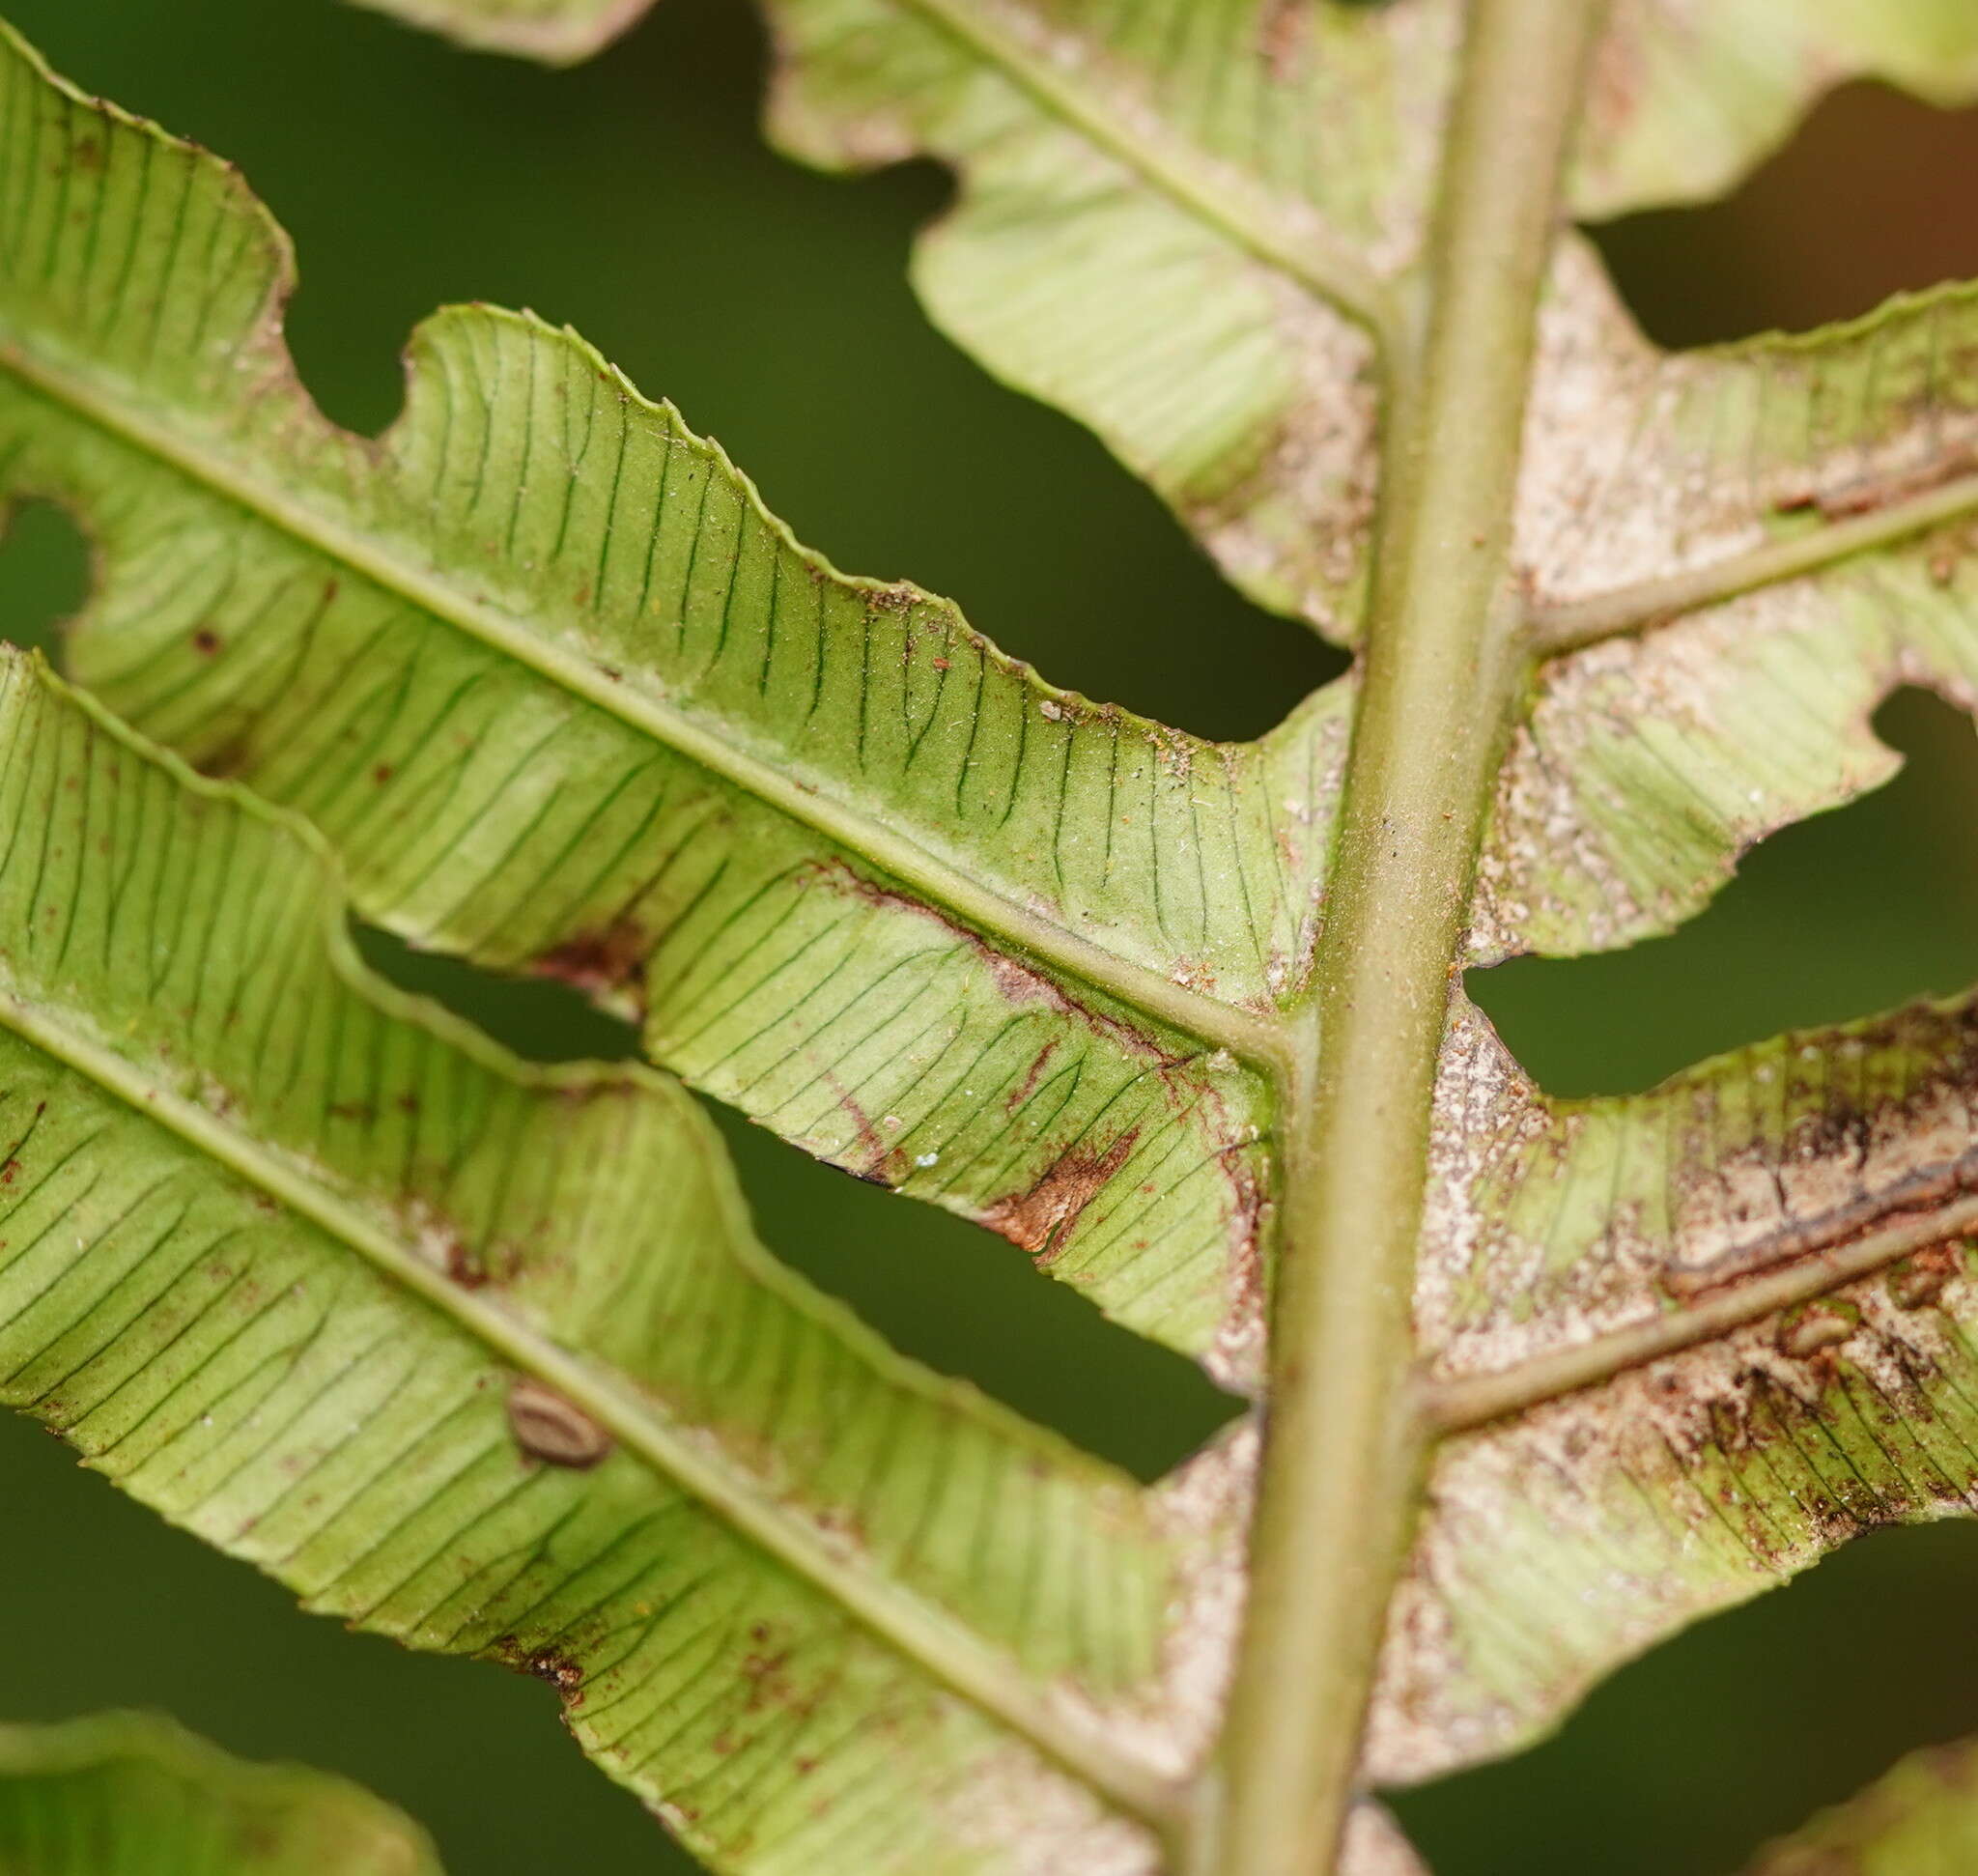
1736	1731
635	197
966	1303
45	575
541	1020
1840	915
1873	195
948	1292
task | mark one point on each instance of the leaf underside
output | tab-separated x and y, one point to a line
557	32
134	1795
489	1361
558	693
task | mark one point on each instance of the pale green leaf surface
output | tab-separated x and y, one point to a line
1648	764
278	1248
1686	95
1181	220
1163	213
908	918
1575	1534
1920	1818
135	1794
557	32
1806	1195
566	699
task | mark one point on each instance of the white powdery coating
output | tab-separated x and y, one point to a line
1206	1505
1036	1821
1568	1541
1568	865
1375	1846
1485	1297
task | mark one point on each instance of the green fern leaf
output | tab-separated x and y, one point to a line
488	1361
542	672
134	1795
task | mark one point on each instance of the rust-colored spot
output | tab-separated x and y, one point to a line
884	1163
1029	1085
383	773
465	1265
560	1668
1284	35
1917	1282
1039	1218
769	1682
610	960
1015	981
548	1427
1867	493
10	1171
206	641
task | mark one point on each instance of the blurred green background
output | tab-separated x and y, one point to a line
634	198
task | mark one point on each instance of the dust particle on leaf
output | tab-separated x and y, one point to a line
1823	1326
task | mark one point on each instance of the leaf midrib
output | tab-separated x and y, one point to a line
942	1646
885	845
1464	1403
1566	626
1319	263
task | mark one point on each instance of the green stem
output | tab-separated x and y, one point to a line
1444	669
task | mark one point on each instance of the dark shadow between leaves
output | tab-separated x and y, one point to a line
944	1291
45	575
1844	914
1736	1731
1876	193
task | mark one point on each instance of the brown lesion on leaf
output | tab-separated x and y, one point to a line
1868	494
606	964
1284	37
1919	1282
1017	982
766	1668
882	1161
1027	1087
557	1666
465	1264
1841	1174
1039	1218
